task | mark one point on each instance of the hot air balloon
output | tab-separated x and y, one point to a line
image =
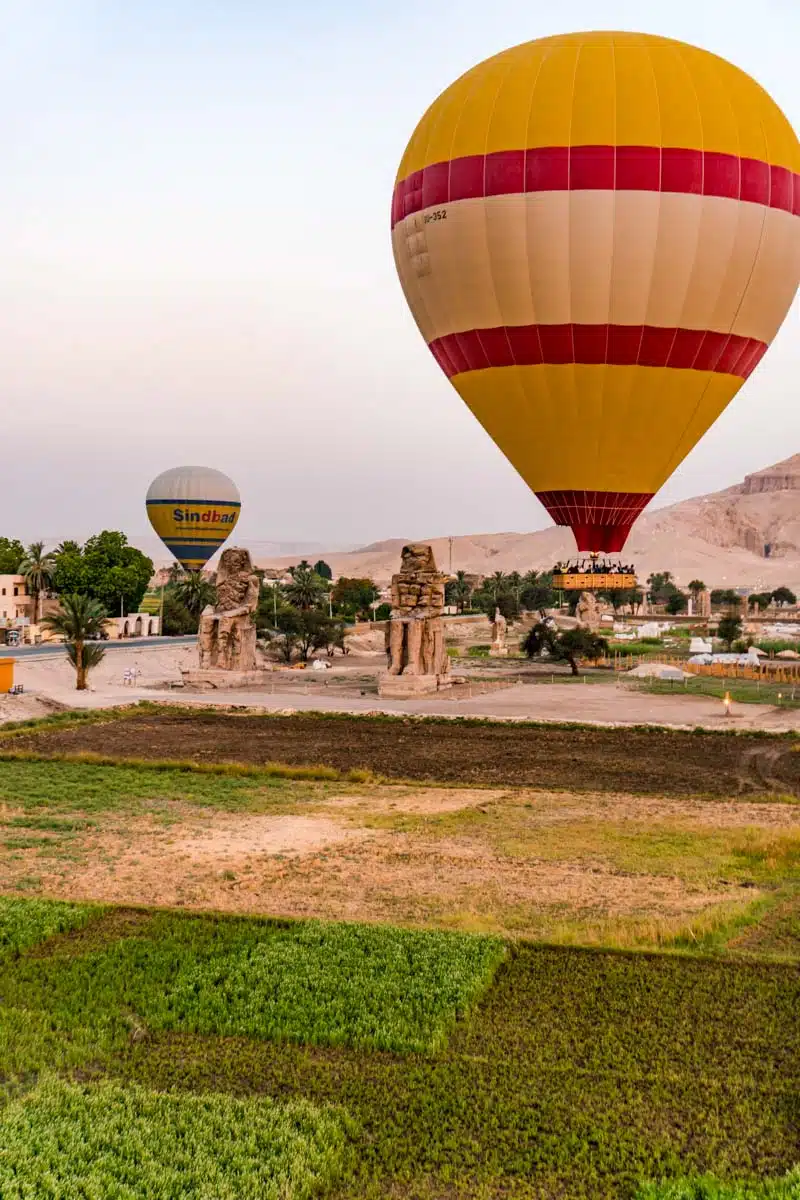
193	510
598	236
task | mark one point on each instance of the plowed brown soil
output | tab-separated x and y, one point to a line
653	761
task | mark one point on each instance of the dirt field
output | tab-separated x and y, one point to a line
654	762
527	863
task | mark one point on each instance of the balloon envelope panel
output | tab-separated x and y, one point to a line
193	510
598	236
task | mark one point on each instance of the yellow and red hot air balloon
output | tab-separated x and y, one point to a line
193	510
598	236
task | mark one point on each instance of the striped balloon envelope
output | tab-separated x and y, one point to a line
598	236
193	510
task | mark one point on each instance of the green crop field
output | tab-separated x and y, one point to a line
570	968
163	1054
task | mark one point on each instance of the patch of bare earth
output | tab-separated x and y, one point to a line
384	856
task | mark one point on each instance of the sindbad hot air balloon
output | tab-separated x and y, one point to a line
598	236
193	510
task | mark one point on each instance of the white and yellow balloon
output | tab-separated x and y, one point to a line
193	510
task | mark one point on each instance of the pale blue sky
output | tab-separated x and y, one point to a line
196	264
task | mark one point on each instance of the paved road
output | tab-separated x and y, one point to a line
50	648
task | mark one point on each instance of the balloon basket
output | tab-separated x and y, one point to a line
594	577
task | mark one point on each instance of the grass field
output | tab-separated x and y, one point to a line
741	691
150	1052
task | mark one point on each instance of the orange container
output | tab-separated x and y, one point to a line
6	674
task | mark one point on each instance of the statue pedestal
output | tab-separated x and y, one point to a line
498	652
211	679
406	687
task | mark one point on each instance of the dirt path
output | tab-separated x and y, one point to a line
351	687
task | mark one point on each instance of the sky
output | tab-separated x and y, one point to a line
195	262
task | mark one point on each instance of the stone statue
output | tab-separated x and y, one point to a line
227	634
499	649
588	611
415	637
704	604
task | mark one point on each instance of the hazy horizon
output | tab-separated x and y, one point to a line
198	264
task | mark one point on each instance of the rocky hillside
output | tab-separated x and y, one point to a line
745	536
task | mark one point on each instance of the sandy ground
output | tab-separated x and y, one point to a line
349	687
385	855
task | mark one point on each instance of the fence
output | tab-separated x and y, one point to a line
767	672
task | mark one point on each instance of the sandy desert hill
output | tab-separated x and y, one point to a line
745	536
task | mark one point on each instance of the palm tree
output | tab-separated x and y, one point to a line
79	619
495	585
66	547
461	590
37	567
696	587
306	588
194	592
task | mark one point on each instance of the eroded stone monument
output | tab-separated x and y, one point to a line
703	606
588	611
227	635
498	648
418	661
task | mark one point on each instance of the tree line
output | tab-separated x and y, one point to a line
104	575
662	589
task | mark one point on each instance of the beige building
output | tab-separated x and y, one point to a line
14	599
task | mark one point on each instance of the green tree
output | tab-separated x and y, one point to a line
661	586
536	593
567	646
194	592
676	603
353	597
107	569
487	599
12	552
729	629
613	596
79	619
271	601
67	547
459	591
177	620
783	595
306	589
37	567
696	586
725	597
336	634
322	569
68	575
305	630
762	599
